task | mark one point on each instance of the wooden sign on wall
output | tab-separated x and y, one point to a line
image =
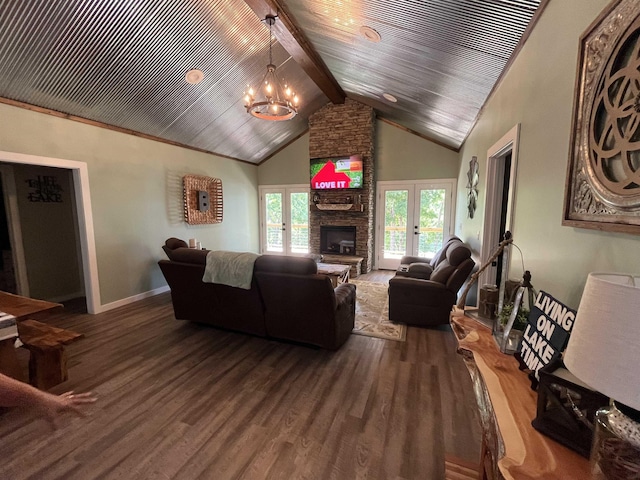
197	212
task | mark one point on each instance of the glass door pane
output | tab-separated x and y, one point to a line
299	223
274	241
430	218
395	224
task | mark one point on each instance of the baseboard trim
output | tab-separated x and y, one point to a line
64	298
126	301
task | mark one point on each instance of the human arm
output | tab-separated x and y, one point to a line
14	393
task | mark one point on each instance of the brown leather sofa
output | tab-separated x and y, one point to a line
287	300
426	298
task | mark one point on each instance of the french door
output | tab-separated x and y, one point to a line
284	220
414	218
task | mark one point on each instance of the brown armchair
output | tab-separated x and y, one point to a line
420	301
422	267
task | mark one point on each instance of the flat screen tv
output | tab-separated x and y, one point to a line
335	173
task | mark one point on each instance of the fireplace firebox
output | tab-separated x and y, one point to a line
338	240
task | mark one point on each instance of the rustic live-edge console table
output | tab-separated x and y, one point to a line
511	447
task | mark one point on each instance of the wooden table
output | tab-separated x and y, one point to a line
22	308
25	307
336	272
511	447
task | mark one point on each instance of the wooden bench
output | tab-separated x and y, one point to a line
48	360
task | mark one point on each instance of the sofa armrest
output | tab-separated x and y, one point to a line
345	293
418	284
407	259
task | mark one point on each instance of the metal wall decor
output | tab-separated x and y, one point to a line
603	177
44	189
472	186
193	188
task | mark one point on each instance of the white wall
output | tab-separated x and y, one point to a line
401	155
538	93
136	194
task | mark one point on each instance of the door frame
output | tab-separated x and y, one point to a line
82	193
286	214
509	143
452	183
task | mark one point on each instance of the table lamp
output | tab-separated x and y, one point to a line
604	352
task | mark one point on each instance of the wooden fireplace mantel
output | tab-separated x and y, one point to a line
511	447
345	207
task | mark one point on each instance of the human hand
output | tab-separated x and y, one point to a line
53	406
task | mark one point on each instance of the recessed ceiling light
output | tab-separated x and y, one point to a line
194	77
389	97
370	34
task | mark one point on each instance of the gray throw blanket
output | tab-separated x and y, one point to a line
230	268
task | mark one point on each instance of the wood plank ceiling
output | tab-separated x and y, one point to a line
123	63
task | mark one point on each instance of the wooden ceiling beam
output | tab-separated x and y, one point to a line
291	37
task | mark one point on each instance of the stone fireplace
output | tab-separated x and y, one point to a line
343	130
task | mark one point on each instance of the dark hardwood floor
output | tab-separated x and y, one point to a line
178	400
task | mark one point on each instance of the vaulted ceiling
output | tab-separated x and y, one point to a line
122	63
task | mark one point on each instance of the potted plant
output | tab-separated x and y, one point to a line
517	329
521	320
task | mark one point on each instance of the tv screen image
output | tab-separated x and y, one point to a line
336	172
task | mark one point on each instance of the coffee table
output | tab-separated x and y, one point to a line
336	272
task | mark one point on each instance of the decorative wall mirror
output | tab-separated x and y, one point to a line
603	178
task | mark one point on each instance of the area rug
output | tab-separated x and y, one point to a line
372	312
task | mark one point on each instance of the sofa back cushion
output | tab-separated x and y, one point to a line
171	244
298	307
189	255
442	253
283	264
455	268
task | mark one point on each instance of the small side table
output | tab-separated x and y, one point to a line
48	362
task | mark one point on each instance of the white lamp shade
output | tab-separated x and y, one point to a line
604	346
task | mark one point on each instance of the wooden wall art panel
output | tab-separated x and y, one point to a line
197	211
603	177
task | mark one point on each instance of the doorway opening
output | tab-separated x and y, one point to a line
83	213
502	162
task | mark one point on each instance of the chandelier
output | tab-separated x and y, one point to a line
271	100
